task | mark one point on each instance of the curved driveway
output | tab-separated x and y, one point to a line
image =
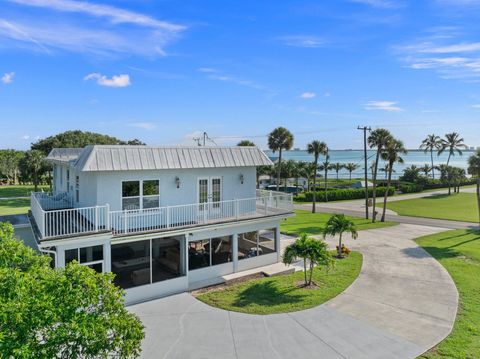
402	304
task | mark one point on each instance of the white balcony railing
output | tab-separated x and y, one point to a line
73	221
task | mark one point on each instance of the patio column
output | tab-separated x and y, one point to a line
235	252
278	247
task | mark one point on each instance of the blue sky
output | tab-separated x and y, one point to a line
165	71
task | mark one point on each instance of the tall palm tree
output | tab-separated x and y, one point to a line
337	225
446	175
391	153
474	170
351	167
289	170
325	167
245	143
453	143
429	144
385	170
316	148
378	139
337	167
35	162
278	140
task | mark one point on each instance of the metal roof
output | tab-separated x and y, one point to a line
64	155
129	158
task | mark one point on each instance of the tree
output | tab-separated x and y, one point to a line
10	165
337	167
429	144
446	176
78	139
351	167
325	167
307	248
411	174
245	143
288	170
385	170
338	224
377	139
426	169
35	162
316	148
263	170
70	312
474	170
391	154
278	140
453	143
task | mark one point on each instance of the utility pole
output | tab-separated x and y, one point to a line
365	129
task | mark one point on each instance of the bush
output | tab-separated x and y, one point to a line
343	194
411	187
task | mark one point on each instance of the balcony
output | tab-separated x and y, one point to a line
55	217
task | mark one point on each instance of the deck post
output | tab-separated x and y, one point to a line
237	214
107	216
125	221
96	218
168	216
235	252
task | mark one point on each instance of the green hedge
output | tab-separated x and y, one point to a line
342	194
408	187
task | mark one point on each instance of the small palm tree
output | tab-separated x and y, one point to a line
474	170
337	167
426	169
288	170
325	167
446	175
385	170
307	248
351	167
391	154
278	140
378	139
429	144
453	143
35	162
245	143
338	224
316	148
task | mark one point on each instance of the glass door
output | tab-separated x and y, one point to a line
209	196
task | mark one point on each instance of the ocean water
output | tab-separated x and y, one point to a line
413	157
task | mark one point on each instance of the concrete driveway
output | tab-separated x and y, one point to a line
402	304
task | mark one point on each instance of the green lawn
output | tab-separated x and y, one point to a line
19	191
14	206
458	207
282	294
313	223
459	252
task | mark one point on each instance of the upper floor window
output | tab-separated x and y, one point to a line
140	194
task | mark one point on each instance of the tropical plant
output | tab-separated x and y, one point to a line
337	167
446	175
474	170
351	167
245	143
263	171
338	224
377	139
325	167
35	163
385	170
452	143
71	312
426	169
10	165
308	249
429	144
316	148
289	169
411	174
278	140
391	154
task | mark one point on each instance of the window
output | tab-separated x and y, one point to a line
167	259
140	194
252	244
77	188
203	191
216	192
209	252
87	256
68	180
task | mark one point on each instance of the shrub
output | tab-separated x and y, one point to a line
343	194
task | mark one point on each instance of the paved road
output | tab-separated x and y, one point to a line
403	303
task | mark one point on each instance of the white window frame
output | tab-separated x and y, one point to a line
101	261
209	188
140	192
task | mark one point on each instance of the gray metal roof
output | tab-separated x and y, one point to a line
64	155
129	158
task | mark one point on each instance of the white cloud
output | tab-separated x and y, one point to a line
206	70
303	41
143	125
122	80
25	137
383	106
7	78
385	4
308	95
476	106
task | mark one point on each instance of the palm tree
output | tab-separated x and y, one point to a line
245	143
278	140
325	167
337	225
337	167
385	170
288	170
262	170
426	169
316	148
474	170
446	175
34	161
351	167
453	143
429	144
378	139
391	154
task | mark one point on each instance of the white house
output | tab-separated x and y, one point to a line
163	219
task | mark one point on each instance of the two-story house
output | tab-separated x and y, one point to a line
163	219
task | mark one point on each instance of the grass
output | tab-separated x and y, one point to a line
459	252
14	206
457	207
19	191
313	223
281	294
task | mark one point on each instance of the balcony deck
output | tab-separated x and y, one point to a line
55	217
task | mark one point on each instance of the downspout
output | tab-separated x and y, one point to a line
49	251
